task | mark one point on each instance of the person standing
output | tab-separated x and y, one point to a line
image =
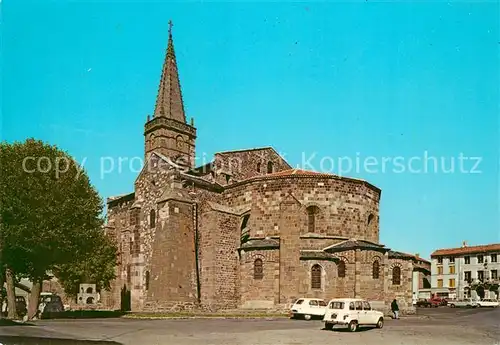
395	309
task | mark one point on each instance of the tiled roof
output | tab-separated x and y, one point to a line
401	255
353	243
248	150
495	247
316	254
202	182
300	173
113	200
261	243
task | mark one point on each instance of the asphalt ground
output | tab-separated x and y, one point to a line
440	326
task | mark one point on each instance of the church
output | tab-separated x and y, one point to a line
246	230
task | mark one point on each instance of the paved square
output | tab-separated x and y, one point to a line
433	326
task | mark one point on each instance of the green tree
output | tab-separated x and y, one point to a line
50	213
98	268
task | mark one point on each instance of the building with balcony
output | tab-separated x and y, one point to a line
467	271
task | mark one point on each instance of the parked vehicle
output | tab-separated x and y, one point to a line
492	303
463	303
423	303
21	307
438	302
50	303
431	303
352	313
308	308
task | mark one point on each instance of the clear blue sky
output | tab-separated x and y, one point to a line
339	79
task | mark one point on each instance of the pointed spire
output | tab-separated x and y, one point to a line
169	100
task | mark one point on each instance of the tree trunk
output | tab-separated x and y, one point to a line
34	298
11	294
2	281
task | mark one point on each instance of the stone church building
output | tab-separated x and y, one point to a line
246	230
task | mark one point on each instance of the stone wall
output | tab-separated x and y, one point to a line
289	257
402	292
329	279
234	166
262	292
346	286
370	287
173	275
346	208
219	262
159	263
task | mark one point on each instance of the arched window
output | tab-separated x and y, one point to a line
316	277
370	218
312	211
147	280
341	269
179	142
376	269
396	275
258	167
269	167
258	269
89	290
152	219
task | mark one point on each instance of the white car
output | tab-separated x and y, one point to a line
488	303
308	308
461	303
352	312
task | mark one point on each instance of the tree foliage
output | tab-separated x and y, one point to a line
98	268
50	213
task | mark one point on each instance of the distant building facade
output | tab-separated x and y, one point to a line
467	271
246	230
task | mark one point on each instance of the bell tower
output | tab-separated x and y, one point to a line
167	132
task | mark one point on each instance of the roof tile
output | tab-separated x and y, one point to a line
495	247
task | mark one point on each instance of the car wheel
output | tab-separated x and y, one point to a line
452	306
353	326
380	323
328	326
307	317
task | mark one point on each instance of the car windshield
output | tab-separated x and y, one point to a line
336	305
299	301
322	303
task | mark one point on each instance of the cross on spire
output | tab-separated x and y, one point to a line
169	100
170	24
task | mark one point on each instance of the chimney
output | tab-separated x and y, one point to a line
417	255
464	244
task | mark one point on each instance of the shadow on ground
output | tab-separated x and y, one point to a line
84	314
21	340
346	330
5	322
